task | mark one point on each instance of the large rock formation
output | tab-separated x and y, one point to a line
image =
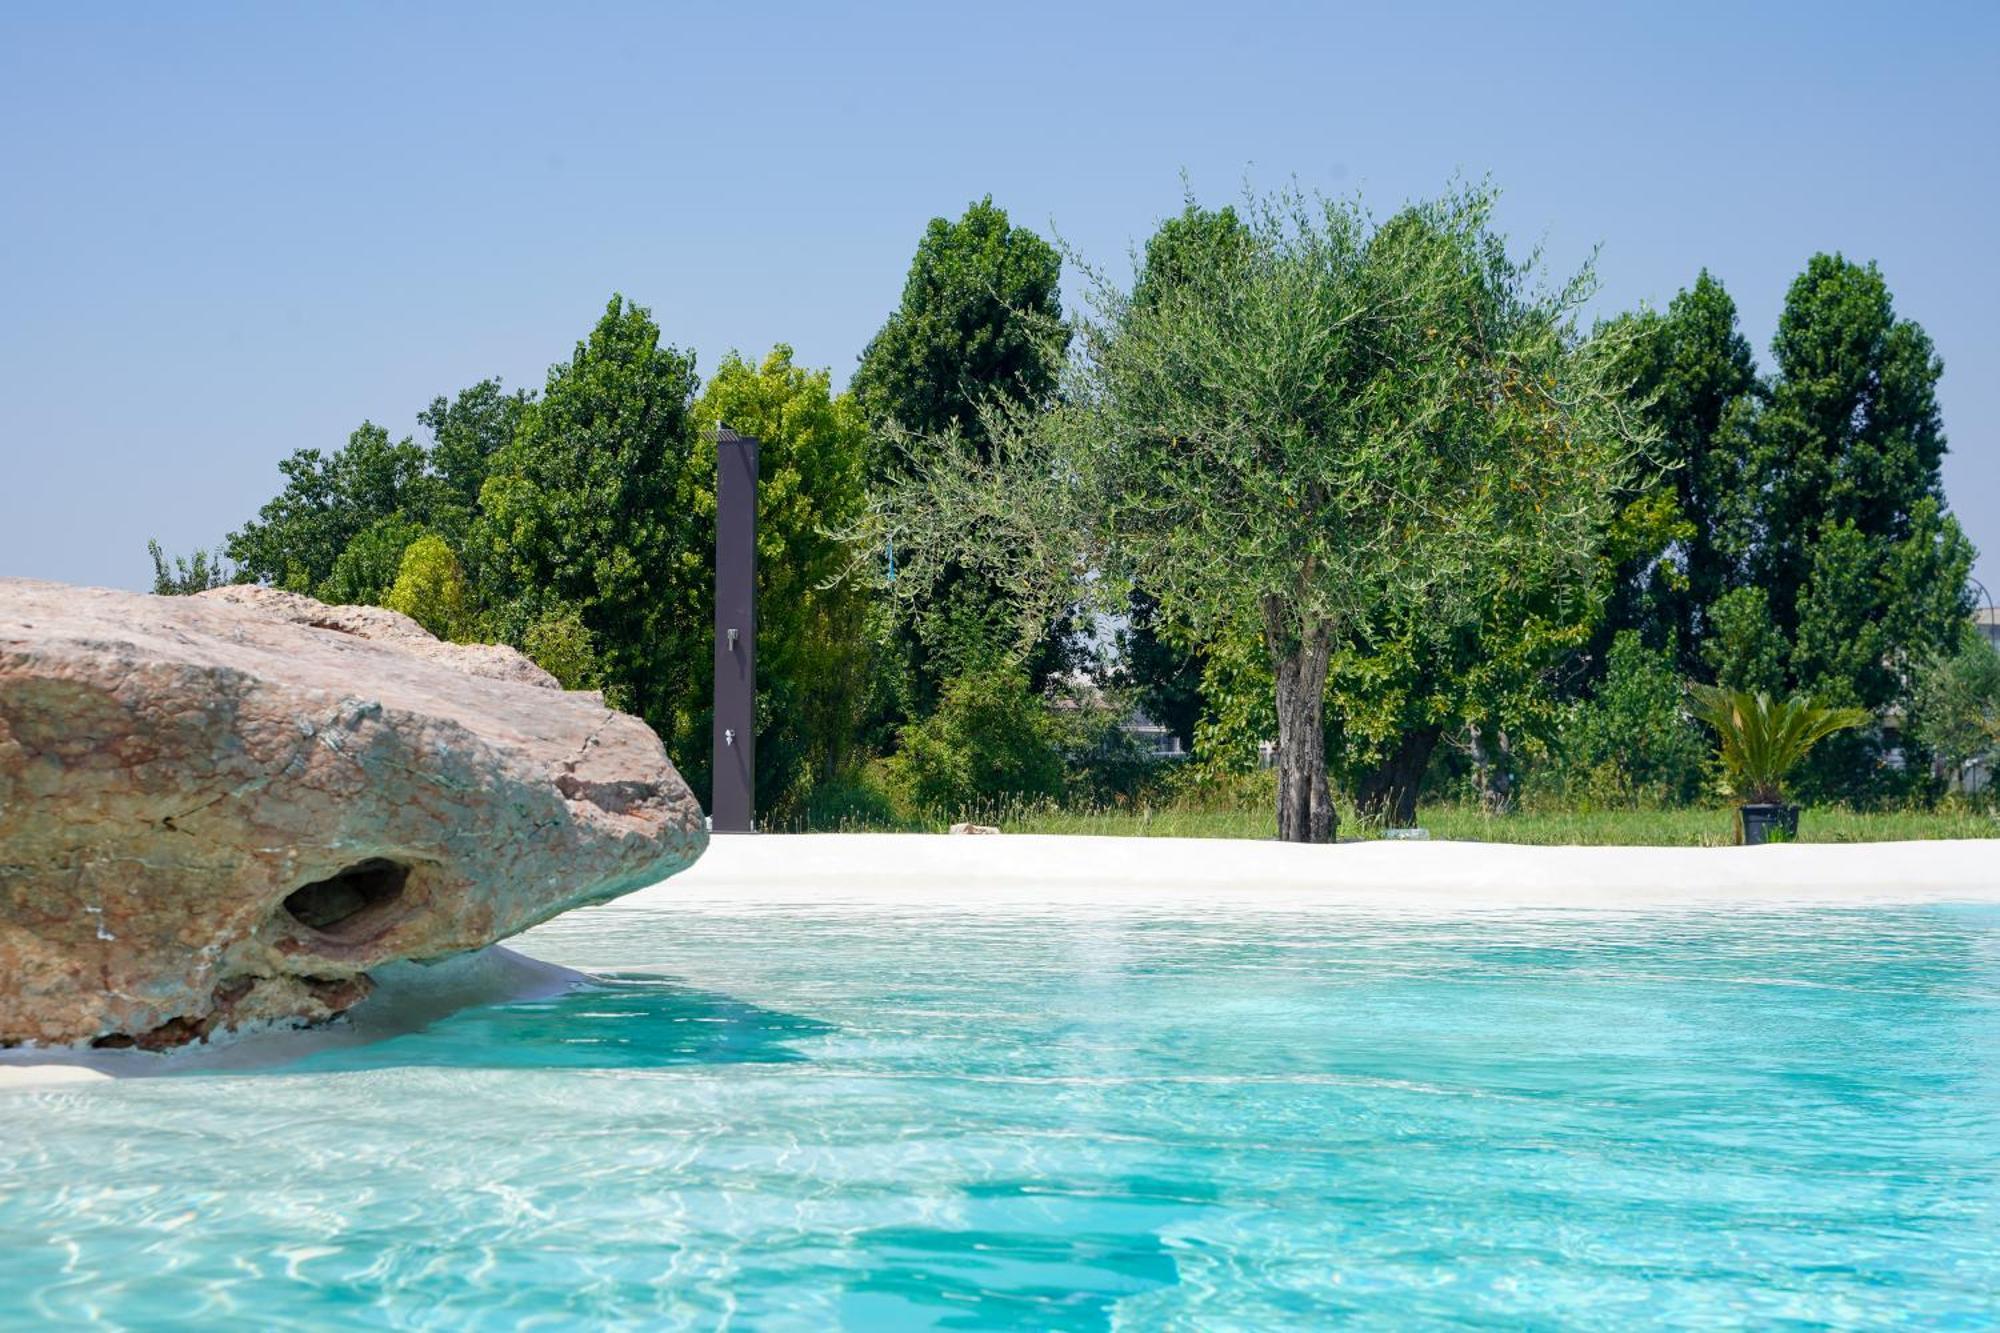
230	807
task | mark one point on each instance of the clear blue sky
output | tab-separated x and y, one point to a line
231	232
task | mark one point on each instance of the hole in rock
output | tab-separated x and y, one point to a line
350	904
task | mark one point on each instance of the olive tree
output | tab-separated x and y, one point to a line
1327	418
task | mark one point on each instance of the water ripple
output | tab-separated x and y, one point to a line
1132	1120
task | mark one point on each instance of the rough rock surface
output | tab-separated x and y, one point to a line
228	808
385	626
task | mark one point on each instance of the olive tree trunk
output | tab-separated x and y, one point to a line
1305	807
1389	792
1492	770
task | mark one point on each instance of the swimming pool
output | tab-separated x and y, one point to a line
1134	1118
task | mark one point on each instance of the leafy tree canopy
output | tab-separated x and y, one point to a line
466	432
1351	416
328	501
1853	433
365	571
594	504
1852	437
1863	567
1682	538
1159	659
979	326
338	528
981	315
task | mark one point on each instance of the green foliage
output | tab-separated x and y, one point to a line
1160	668
992	738
1684	536
188	575
1640	562
980	324
1797	538
466	432
1363	488
1105	764
1344	420
1475	653
594	504
581	527
857	802
1873	603
962	624
1162	659
366	568
1853	434
1863	567
1744	650
981	315
1390	430
1441	667
1634	741
560	643
430	589
1763	741
1187	250
891	691
1238	714
338	528
327	502
813	650
1955	705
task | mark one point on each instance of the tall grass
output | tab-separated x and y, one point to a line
1698	826
1244	809
1689	827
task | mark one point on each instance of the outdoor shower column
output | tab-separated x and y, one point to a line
732	805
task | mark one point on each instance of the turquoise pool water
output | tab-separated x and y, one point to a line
876	1120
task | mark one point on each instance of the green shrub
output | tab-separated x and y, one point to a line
188	575
430	589
1745	649
367	566
857	802
991	740
562	645
1634	743
1955	705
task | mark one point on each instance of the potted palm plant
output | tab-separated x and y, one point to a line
1763	740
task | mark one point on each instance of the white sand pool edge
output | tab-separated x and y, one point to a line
1031	870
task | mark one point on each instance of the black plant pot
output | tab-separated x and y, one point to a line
1759	824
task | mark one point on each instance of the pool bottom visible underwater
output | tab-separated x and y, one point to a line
1075	1120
